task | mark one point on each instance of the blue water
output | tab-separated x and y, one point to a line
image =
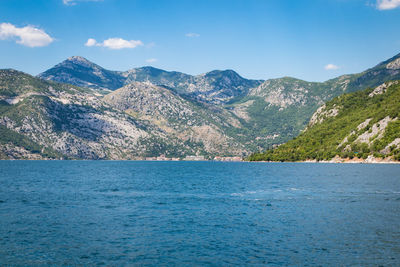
198	213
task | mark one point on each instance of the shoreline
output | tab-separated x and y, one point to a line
338	160
332	161
370	159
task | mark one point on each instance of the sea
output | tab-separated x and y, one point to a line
130	213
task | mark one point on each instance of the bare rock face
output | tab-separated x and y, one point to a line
381	89
283	92
149	100
395	144
377	131
394	65
322	114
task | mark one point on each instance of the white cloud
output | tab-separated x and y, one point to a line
27	36
73	2
114	43
331	67
192	35
387	4
91	42
119	43
151	60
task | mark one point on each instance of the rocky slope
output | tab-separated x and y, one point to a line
188	121
364	125
40	119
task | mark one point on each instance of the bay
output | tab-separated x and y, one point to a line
117	213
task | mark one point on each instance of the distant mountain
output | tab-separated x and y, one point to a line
364	124
213	87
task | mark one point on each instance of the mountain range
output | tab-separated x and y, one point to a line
214	87
78	109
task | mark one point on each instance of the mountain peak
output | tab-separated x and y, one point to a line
78	60
79	71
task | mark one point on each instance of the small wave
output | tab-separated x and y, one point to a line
264	192
241	194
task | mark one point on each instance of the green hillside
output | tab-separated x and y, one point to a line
361	124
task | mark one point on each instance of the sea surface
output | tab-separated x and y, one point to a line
121	213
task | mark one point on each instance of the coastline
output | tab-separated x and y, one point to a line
335	160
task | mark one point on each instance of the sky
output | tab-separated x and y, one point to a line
314	40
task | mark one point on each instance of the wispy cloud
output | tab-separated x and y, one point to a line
387	4
27	36
192	35
74	2
114	43
151	45
331	67
151	60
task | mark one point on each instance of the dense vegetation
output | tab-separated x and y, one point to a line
323	141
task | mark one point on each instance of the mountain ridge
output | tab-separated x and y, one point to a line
79	71
156	112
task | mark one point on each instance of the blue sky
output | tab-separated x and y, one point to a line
312	40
